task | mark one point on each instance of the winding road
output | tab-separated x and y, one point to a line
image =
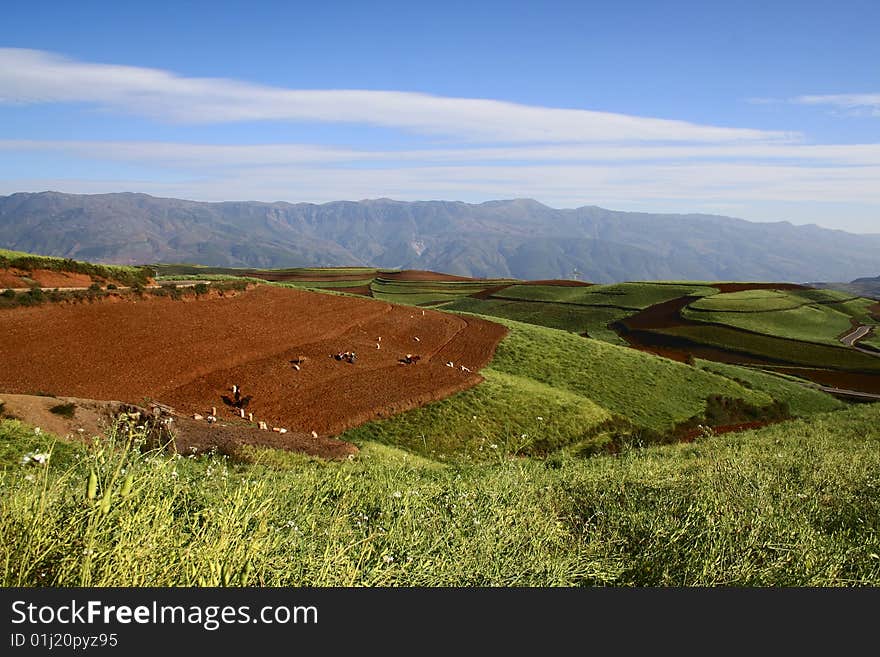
851	339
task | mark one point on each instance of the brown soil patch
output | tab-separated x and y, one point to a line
188	355
875	311
196	436
835	379
693	434
422	275
45	277
660	315
89	418
281	276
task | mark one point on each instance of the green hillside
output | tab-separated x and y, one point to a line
547	389
592	320
635	296
810	315
802	400
791	505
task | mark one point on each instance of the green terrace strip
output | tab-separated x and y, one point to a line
794	504
775	349
809	315
128	276
802	400
593	321
820	324
431	292
634	296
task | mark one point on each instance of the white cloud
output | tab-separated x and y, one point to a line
34	76
862	104
214	156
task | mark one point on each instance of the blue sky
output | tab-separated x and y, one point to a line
768	111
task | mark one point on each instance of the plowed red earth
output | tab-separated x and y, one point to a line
281	276
45	277
188	354
422	275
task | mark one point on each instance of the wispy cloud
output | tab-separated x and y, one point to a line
34	76
861	104
218	156
849	104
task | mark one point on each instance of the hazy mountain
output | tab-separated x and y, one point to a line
520	238
863	287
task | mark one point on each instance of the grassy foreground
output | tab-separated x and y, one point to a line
794	504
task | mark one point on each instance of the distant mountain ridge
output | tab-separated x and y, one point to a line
863	287
518	238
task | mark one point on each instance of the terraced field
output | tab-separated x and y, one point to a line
628	296
590	321
548	389
807	315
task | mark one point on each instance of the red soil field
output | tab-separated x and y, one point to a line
188	354
422	275
45	277
281	276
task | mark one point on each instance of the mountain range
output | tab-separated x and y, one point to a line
519	238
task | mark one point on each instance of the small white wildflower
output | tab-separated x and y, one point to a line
388	558
397	494
38	431
540	419
475	417
524	435
493	446
40	458
29	477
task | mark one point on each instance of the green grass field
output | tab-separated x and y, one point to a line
593	320
635	296
655	393
427	292
809	315
750	301
802	400
548	389
821	324
509	483
794	504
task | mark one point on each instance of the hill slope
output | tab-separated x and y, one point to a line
492	239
